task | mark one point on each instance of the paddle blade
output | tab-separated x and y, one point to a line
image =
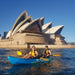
44	59
19	53
56	55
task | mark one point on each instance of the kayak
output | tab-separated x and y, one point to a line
17	61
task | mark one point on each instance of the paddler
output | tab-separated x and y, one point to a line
47	53
32	54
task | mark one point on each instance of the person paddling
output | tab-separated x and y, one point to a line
47	53
32	54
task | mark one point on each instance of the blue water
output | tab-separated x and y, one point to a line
63	65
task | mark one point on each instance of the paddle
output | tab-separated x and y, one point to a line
55	55
19	53
44	59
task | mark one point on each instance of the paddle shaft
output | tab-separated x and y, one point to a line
20	53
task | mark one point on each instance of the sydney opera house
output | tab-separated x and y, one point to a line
28	31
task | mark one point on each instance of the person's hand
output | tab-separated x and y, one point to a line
35	56
48	55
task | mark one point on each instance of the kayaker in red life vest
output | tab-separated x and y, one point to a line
47	53
32	54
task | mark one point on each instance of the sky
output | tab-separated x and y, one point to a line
60	12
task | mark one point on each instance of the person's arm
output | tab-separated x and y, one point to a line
29	53
36	53
50	52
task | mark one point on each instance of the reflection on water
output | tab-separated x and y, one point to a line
64	65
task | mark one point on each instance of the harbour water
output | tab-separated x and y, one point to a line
63	65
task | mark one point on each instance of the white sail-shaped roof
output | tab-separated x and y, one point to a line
42	20
27	20
46	26
8	35
25	23
22	28
55	30
23	16
33	26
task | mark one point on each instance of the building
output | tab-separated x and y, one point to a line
46	27
0	37
5	34
55	35
28	31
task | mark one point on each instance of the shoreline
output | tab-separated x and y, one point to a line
39	46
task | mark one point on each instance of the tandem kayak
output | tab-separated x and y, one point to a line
17	61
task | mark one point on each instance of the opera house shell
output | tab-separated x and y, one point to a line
28	31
